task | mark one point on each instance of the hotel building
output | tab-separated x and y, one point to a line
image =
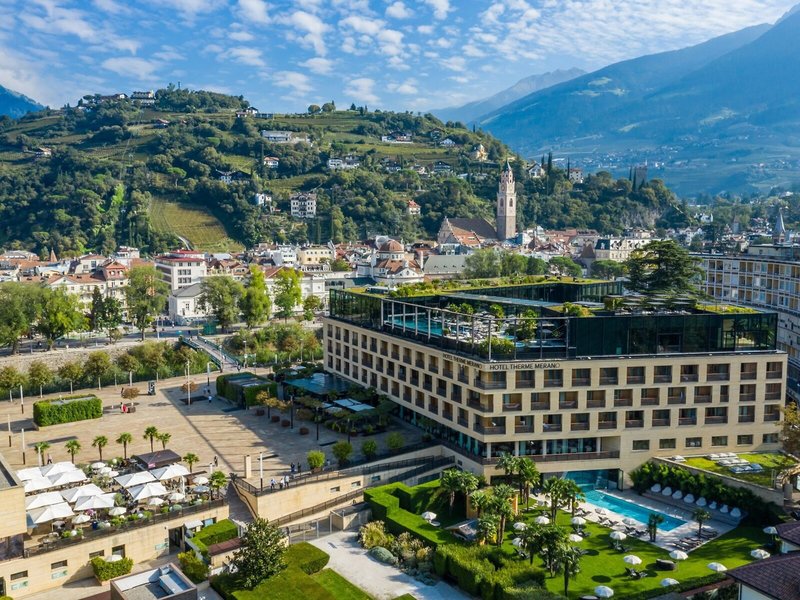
513	370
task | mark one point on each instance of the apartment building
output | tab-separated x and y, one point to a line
599	393
766	277
182	268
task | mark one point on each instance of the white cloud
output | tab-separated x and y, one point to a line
360	24
398	10
111	6
191	8
244	55
318	65
254	11
141	69
241	36
390	42
361	89
313	27
454	63
298	83
408	87
440	8
425	29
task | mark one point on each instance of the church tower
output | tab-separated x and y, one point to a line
506	205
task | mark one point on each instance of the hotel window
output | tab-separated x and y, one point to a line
663	374
689	373
744	440
667	444
119	550
635	375
596	399
20	575
769	438
58	565
608	376
641	444
553	378
581	377
540	401
719	440
694	442
99	553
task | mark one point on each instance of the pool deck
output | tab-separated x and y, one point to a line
665	539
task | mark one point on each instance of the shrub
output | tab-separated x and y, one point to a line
374	534
395	441
222	531
250	393
369	449
194	568
315	459
74	408
342	451
108	570
383	555
306	557
129	393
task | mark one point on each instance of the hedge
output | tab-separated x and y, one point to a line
306	557
194	568
227	388
108	570
74	408
683	586
221	531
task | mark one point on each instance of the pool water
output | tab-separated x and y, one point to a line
629	509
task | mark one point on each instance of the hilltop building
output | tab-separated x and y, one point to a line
181	268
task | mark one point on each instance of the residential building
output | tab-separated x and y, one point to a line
285	137
466	232
413	208
575	175
619	249
44	152
272	162
397	137
348	162
598	394
303	205
229	177
441	167
181	268
447	143
506	205
263	200
144	98
315	255
536	171
774	578
479	153
390	264
184	305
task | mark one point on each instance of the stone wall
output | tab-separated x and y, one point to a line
55	358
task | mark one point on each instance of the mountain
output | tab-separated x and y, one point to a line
719	116
474	110
15	104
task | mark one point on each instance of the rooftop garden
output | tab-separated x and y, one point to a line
772	464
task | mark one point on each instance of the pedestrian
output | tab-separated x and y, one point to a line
286	480
272	483
298	468
209	398
49	459
292	467
281	484
216	461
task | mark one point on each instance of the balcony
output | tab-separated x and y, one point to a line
650	401
433	408
477	405
525	383
463	378
553	383
448	373
448	415
716	420
395	355
576	381
608	380
607	425
433	369
596	403
718	377
489	385
463	422
441	391
581	456
689	378
512	406
634	423
407	360
579	427
635	379
774	374
688	421
420	402
551	427
772	396
662	379
661	422
747	418
748	375
540	406
373	348
623	402
747	397
703	399
676	400
415	381
427	386
490	429
420	363
772	417
567	404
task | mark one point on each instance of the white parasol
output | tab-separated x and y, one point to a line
678	555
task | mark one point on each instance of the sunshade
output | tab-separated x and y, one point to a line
39	483
29	473
603	591
520	526
541	520
50	513
202	480
134	479
40	500
678	555
67	477
73	494
170	472
117	511
759	554
427	515
618	536
717	567
578	521
81	519
56	468
147	490
668	581
95	502
632	559
575	538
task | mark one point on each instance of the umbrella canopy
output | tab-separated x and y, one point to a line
632	559
668	581
717	567
176	497
519	526
578	521
203	480
113	473
427	515
518	542
759	554
147	490
541	520
67	477
84	518
200	489
575	538
170	472
600	511
678	555
73	494
50	513
770	530
629	521
114	558
38	483
106	471
29	473
56	468
701	501
134	479
617	536
603	591
155	501
40	500
95	502
96	466
689	498
117	511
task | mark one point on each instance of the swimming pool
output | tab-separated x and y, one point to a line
629	509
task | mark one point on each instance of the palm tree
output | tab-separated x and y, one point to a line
510	464
569	558
41	448
554	488
125	439
553	537
189	458
653	521
451	485
100	442
150	434
479	500
572	495
500	506
487	528
164	439
73	447
217	481
529	477
701	515
468	483
532	539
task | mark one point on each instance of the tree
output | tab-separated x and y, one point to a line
536	266
128	363
125	439
608	269
663	267
288	293
512	263
572	494
314	109
700	516
526	325
19	309
369	449
97	365
510	465
217	481
566	266
111	318
164	438
555	489
72	372
482	264
59	314
260	554
39	375
255	302
151	433
790	428
329	107
11	378
500	505
310	305
479	500
41	448
100	442
528	476
72	447
221	295
487	527
395	441
653	521
451	484
190	458
569	559
145	295
342	451
315	459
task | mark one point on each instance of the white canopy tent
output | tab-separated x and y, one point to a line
40	500
50	513
37	484
29	473
57	468
95	502
73	494
170	472
147	490
67	477
135	479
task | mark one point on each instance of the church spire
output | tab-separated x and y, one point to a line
506	204
779	233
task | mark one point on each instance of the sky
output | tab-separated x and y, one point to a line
391	54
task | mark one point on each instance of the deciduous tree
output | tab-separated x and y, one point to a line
288	293
146	296
260	555
255	302
221	295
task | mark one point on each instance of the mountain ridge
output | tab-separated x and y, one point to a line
15	104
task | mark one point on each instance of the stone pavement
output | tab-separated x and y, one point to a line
382	582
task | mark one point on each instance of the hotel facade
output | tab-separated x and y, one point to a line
512	370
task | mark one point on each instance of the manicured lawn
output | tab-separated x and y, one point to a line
773	464
603	565
339	586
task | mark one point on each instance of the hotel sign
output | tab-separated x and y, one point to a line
511	366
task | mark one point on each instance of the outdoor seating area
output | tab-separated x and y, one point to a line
734	463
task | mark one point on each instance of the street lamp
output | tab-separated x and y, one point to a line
316	418
245	353
261	469
188	386
291	400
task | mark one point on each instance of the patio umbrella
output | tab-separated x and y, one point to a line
603	591
579	521
176	497
427	515
717	567
29	473
760	554
600	511
629	521
170	472
155	501
617	536
56	468
147	490
667	491
113	473
200	489
736	513
668	581
40	500
575	538
656	488
105	471
50	513
770	530
632	559
96	466
518	542
67	477
133	479
84	518
117	511
678	555
95	502
202	480
724	509
520	526
114	558
701	501
39	483
541	520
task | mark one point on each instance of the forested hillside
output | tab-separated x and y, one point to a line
108	172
